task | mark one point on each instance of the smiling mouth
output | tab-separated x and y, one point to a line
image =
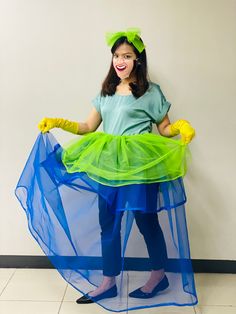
120	67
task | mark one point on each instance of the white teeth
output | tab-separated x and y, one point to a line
121	67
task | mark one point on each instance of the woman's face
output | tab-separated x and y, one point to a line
123	60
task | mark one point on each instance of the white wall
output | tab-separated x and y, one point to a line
53	58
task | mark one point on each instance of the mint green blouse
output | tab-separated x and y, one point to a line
125	114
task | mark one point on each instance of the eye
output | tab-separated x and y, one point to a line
115	56
128	56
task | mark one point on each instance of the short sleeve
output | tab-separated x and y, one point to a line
158	106
97	102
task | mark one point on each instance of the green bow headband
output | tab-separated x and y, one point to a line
132	35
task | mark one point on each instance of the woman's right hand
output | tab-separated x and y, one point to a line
92	123
47	124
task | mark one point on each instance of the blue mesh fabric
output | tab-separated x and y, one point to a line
74	220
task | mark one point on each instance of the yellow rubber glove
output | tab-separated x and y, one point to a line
47	124
183	128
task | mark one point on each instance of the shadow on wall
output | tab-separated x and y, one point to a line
205	208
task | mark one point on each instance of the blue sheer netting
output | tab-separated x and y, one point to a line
76	220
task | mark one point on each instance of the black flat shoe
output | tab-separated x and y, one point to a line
138	293
86	299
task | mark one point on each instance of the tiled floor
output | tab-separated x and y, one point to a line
34	291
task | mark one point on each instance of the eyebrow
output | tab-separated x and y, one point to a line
126	53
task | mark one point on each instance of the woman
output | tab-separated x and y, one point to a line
133	172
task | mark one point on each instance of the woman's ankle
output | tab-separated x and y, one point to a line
159	274
108	282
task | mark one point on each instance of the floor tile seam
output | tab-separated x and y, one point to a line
8	281
63	298
128	282
232	305
33	301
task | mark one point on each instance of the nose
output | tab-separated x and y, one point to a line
120	59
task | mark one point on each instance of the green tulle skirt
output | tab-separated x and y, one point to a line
117	160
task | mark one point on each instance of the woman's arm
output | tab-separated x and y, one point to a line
91	124
164	127
181	127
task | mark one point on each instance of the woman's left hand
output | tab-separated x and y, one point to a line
183	128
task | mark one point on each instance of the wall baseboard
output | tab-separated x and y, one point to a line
31	261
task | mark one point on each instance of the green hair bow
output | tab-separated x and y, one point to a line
132	35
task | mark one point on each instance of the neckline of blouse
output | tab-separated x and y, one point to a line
123	95
128	95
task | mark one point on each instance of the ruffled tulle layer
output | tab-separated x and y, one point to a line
66	212
117	160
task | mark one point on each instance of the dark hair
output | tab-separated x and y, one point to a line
139	87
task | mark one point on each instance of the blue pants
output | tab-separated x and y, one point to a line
148	225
